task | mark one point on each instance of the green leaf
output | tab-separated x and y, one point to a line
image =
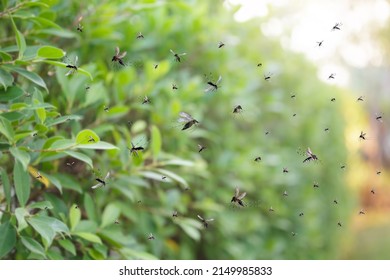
6	79
6	129
80	156
62	144
156	141
74	216
47	227
22	183
190	228
68	246
33	77
173	176
22	156
138	255
87	136
110	214
53	179
101	145
7	238
33	245
89	206
41	205
50	122
89	236
20	41
41	115
20	214
12	93
50	52
6	187
63	65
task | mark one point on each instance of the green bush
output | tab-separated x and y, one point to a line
59	133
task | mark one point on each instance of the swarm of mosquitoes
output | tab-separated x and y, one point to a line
187	121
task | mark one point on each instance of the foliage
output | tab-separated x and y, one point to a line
57	136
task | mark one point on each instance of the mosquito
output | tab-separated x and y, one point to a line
285	193
106	109
155	66
187	119
293	233
91	139
163	177
362	135
320	43
339	224
205	222
343	166
101	183
150	236
80	27
337	26
333	99
361	212
174	87
267	77
140	36
378	118
177	56
285	170
372	191
331	76
116	222
259	64
360	98
301	214
39	176
201	148
213	86
220	44
70	164
257	159
335	201
174	214
310	155
237	109
293	95
135	149
118	56
238	197
271	209
316	185
87	87
73	67
146	100
294	115
326	129
378	172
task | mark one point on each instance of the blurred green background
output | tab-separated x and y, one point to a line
44	126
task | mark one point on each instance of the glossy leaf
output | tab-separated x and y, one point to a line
6	186
6	129
7	238
156	141
22	183
22	156
68	246
33	77
110	214
50	52
74	216
87	136
47	227
33	246
20	214
89	237
6	79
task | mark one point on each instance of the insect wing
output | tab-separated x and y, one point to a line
237	192
107	176
172	52
98	185
200	218
182	54
241	196
308	152
122	55
219	80
209	220
186	117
